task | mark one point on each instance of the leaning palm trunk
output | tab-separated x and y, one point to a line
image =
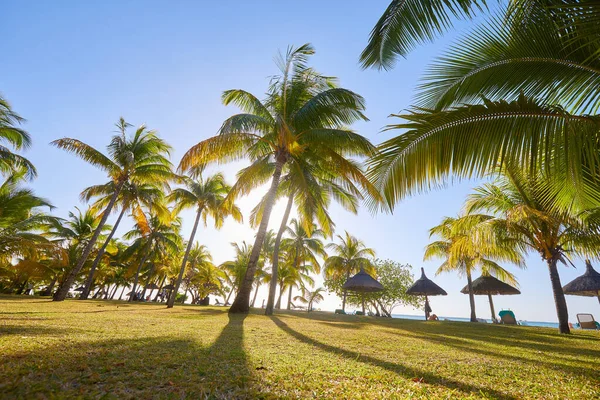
471	296
90	279
150	274
559	297
171	301
255	293
137	274
241	303
162	283
281	290
63	290
229	295
275	261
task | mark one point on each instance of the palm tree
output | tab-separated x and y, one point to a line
207	197
306	247
21	218
311	188
13	136
303	119
236	268
464	248
311	297
521	208
408	23
140	159
131	198
202	277
350	256
261	275
153	241
516	91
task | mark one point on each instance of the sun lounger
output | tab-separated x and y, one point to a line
507	317
586	321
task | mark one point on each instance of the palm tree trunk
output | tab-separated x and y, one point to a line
112	296
63	290
255	293
471	296
122	292
275	261
229	295
171	301
241	304
90	278
559	297
137	274
492	307
289	304
162	283
107	292
345	292
278	305
50	287
148	280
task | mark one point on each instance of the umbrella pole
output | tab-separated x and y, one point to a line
426	308
492	307
598	296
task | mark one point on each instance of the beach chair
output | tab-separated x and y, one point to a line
507	317
586	321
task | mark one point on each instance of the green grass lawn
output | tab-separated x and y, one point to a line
100	349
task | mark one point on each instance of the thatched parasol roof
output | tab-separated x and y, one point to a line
169	287
152	286
79	289
363	282
489	285
587	284
425	287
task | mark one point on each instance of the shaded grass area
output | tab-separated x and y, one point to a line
102	349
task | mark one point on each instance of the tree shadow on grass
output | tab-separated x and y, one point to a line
406	371
145	367
511	354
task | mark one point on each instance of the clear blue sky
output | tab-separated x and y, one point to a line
73	68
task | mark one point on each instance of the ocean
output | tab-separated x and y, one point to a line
489	321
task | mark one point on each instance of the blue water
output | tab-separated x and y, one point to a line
489	321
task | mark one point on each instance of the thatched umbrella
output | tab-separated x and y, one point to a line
79	289
169	287
488	285
152	286
363	283
425	287
587	284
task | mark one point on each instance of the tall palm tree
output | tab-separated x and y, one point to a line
15	137
465	247
351	255
207	197
516	91
152	241
131	198
520	206
306	247
311	187
139	159
304	118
